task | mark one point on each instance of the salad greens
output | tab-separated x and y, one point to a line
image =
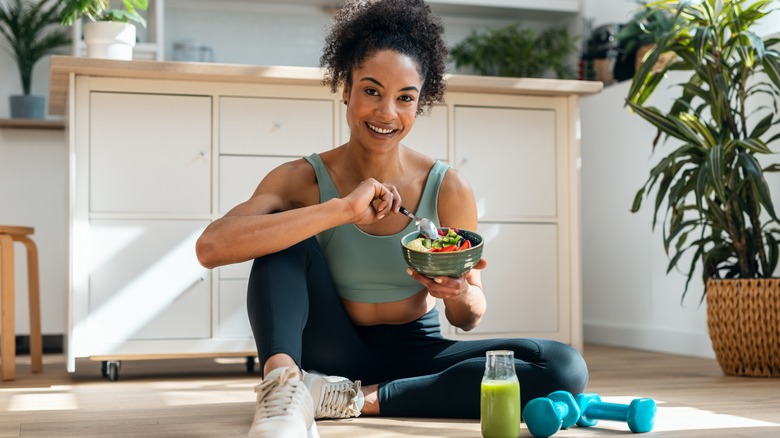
449	240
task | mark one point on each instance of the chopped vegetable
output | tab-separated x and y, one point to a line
449	240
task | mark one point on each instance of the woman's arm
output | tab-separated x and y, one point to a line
464	301
253	229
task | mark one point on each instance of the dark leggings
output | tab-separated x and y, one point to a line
294	309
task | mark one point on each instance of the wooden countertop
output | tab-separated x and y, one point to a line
62	66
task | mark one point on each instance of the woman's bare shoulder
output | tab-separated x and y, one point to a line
294	181
457	206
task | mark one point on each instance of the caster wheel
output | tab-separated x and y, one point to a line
113	370
104	368
250	364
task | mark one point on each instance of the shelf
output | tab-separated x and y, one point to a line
45	124
570	6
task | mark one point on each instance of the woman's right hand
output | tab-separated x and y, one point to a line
371	201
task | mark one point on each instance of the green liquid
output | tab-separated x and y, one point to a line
500	409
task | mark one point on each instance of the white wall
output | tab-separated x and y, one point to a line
276	34
629	299
32	193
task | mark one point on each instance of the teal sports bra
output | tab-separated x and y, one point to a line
367	268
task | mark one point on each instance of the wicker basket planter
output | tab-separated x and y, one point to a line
744	322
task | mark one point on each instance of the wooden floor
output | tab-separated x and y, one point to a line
208	398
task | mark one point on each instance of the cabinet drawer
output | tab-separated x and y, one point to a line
145	281
233	319
509	157
240	175
264	126
428	136
149	153
521	281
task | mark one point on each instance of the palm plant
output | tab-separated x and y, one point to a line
717	206
29	35
711	186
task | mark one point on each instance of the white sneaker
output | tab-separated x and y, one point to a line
284	407
334	397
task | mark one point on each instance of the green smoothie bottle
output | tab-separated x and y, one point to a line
500	399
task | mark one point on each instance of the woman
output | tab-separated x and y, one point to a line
329	290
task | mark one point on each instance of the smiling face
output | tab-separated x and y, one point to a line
382	99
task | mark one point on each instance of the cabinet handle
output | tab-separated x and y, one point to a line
200	279
197	281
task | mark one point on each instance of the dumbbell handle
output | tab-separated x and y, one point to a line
640	414
606	411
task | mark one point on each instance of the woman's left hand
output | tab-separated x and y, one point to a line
445	287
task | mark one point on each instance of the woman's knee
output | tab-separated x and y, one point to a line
566	367
294	258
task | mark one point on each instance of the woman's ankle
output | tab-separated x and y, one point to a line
280	360
370	400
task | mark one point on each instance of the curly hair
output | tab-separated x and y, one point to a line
363	27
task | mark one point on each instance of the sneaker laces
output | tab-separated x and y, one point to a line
338	400
276	396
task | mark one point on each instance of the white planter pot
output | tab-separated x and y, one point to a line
109	39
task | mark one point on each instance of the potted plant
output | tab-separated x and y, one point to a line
517	52
636	37
718	215
28	34
110	32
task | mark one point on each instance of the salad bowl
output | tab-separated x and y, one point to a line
447	263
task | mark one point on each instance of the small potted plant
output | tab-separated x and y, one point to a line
110	32
517	52
718	215
29	33
636	37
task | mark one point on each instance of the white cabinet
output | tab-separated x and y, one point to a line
257	134
161	164
155	158
520	155
264	126
509	156
146	283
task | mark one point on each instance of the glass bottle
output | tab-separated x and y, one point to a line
500	398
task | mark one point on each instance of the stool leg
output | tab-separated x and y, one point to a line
36	341
7	328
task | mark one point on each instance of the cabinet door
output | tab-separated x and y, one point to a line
264	126
240	175
238	179
233	318
509	157
521	280
145	281
150	153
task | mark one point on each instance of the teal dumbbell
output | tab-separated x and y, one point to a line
545	416
639	414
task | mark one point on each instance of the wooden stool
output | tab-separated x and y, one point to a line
8	235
